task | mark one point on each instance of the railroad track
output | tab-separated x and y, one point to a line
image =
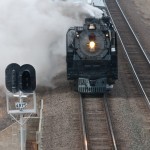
96	124
134	51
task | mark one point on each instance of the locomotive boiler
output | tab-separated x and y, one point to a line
91	55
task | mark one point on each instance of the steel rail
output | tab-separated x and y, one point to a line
83	124
130	62
85	139
133	32
109	122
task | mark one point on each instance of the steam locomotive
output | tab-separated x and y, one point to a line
91	55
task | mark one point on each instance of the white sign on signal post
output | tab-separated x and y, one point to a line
20	106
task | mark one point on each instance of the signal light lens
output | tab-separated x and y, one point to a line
26	80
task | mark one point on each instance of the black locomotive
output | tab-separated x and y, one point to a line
92	55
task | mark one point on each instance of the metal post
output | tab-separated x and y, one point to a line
21	125
21	111
21	132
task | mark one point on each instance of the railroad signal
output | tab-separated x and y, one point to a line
20	78
27	81
11	77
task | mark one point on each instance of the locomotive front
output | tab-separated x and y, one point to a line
92	56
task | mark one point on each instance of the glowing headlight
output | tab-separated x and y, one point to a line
92	44
92	27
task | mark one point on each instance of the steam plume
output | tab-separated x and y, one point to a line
33	32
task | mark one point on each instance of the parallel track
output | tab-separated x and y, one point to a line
96	124
139	62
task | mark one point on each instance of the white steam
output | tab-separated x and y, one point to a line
34	32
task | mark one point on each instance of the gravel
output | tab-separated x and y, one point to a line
62	129
129	111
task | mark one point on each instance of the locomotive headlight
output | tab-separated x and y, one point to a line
92	45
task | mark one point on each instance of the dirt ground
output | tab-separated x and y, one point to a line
138	14
143	8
